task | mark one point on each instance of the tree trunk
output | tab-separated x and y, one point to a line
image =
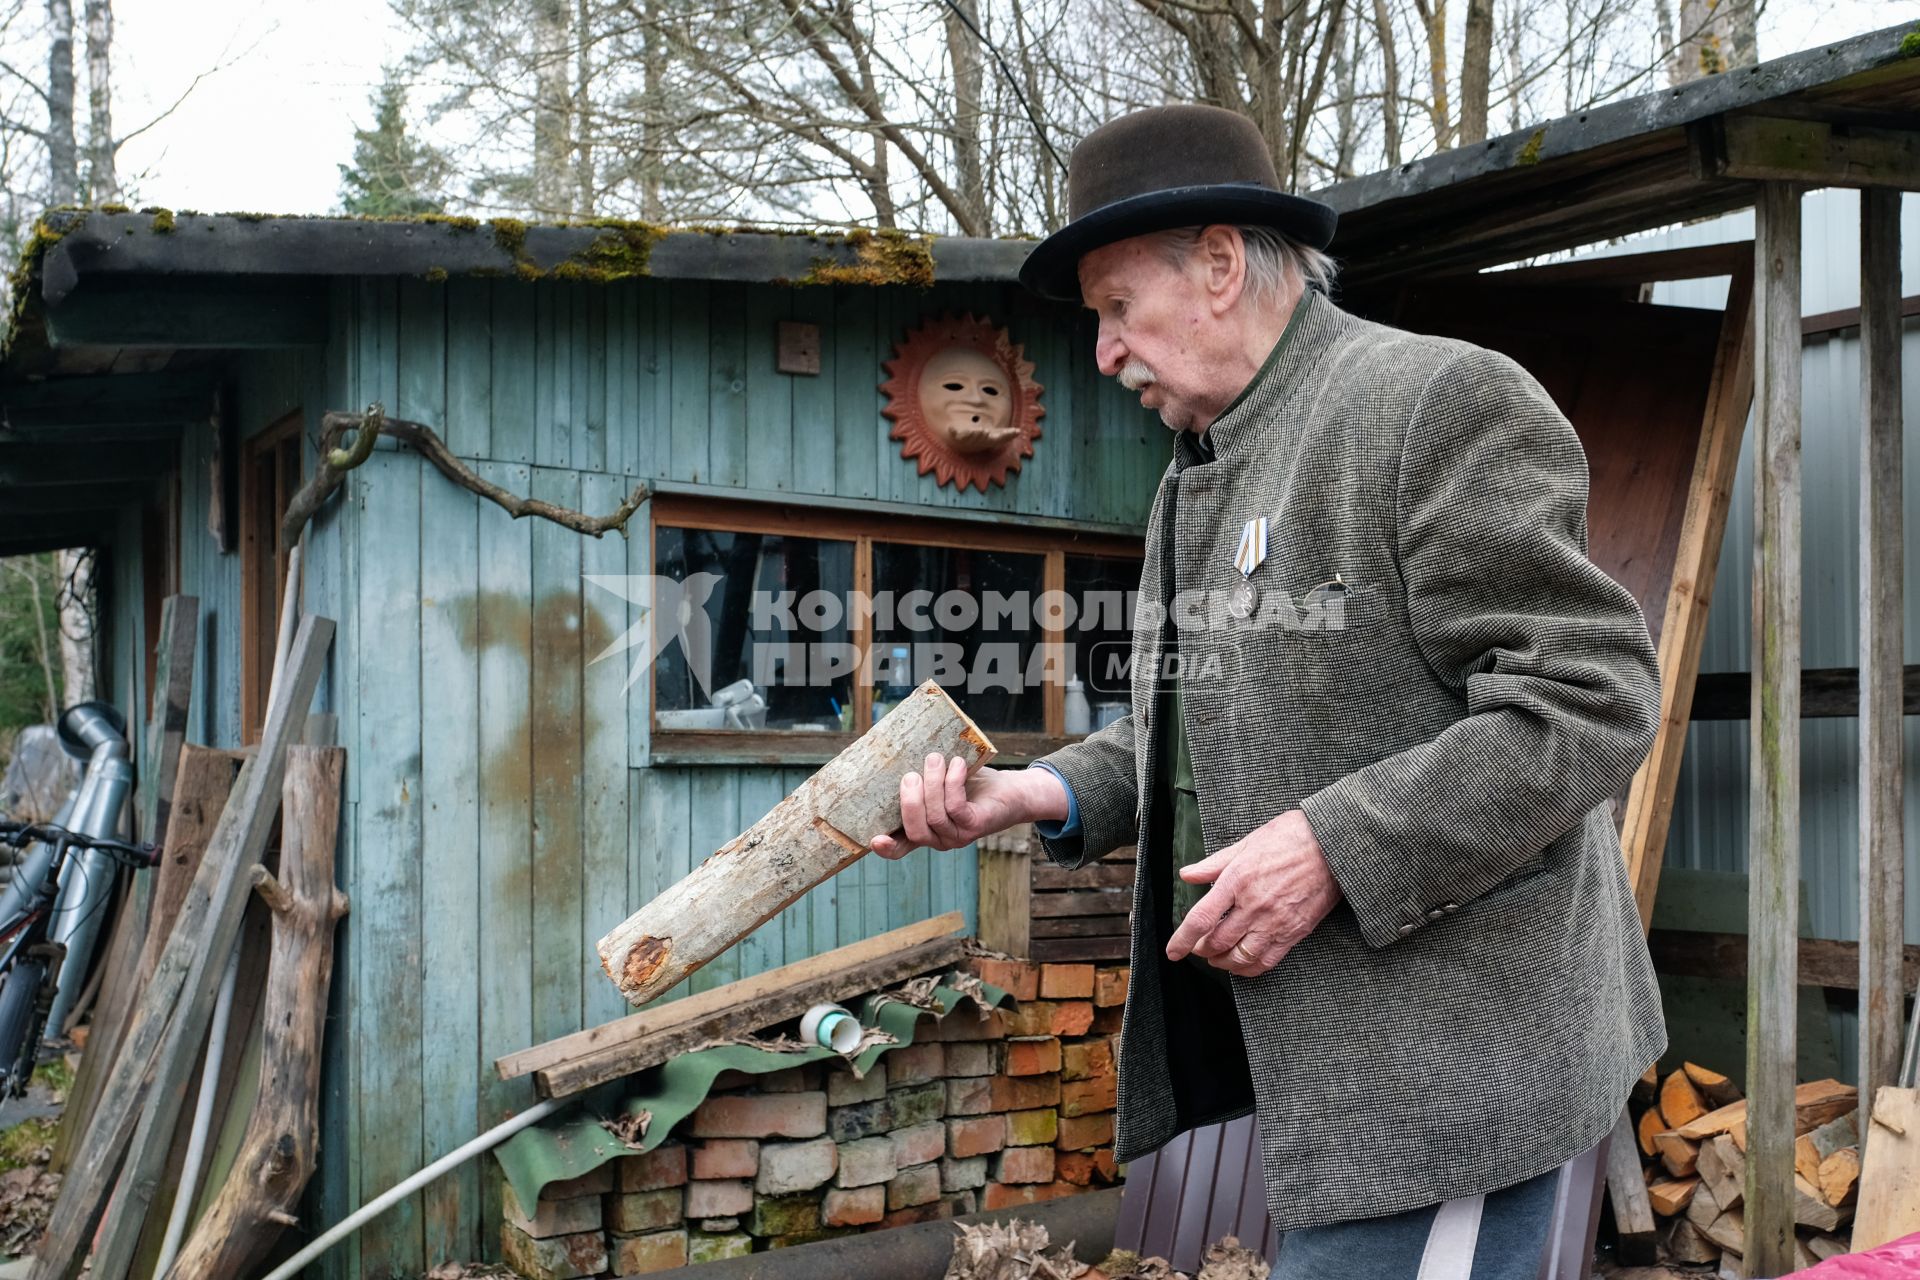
820	829
76	626
583	173
963	52
653	70
1390	92
63	160
103	184
1476	72
276	1156
552	149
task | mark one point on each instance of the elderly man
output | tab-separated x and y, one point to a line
1381	900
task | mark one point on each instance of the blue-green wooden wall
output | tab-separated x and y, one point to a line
499	817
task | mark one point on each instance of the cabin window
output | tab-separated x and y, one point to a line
269	477
785	630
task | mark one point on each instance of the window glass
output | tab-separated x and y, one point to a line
1103	590
766	615
965	618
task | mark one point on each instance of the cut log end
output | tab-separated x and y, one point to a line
644	961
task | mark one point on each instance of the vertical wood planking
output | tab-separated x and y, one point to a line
1774	851
386	899
639	698
727	428
858	429
684	328
604	773
555	739
513	372
671	806
764	948
470	367
815	422
553	375
713	818
590	377
503	623
770	393
1882	642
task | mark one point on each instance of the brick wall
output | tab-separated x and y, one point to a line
975	1114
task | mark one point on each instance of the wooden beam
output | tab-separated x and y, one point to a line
816	832
1692	262
1831	963
1005	893
1825	323
189	319
167	726
1683	628
1825	693
142	1096
85	465
1627	1190
1773	853
1815	152
1882	641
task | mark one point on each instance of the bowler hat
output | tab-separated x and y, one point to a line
1166	167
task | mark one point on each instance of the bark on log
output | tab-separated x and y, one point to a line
819	830
276	1156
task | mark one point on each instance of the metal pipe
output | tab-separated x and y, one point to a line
394	1195
86	882
202	1120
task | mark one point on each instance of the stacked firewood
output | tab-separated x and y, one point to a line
1692	1129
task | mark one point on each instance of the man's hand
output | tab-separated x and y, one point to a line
942	808
1270	890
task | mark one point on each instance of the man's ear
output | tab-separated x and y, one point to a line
1223	265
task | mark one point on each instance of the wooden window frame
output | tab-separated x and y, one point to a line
260	517
862	529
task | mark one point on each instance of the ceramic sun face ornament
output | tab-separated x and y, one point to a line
963	401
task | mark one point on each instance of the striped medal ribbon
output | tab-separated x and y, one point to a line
1252	552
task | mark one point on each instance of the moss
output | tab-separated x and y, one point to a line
115	208
1910	44
162	221
459	222
1530	154
435	275
25	1145
621	251
880	257
55	1076
511	235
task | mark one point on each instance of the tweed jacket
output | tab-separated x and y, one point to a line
1452	692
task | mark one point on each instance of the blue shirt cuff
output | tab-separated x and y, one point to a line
1059	830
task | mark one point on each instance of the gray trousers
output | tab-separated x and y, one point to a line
1498	1236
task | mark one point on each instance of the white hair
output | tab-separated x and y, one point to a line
1274	261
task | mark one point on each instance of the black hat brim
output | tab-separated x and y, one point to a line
1052	270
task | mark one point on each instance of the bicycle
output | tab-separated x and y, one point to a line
31	964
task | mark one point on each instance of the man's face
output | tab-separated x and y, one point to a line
965	398
1155	325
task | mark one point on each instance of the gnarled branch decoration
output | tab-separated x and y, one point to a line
335	462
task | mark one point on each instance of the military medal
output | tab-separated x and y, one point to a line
1253	550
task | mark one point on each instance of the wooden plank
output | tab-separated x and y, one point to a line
809	836
449	865
1116	948
1683	628
1689	262
604	616
1824	962
727	433
707	1004
859	432
470	367
172	696
513	375
1774	149
1627	1189
1825	693
1082	902
1889	1205
158	1051
763	949
1773	856
769	393
1882	769
685	342
713	818
503	635
1082	927
1005	895
815	427
1824	324
554	741
1100	875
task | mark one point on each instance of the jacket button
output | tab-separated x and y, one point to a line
1450	907
1408	928
1435	914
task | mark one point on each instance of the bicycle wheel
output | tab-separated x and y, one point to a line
19	1032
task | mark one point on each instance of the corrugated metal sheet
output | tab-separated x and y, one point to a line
1709	829
1205	1184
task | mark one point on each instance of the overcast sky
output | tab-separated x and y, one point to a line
267	131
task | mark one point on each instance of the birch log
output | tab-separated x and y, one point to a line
817	831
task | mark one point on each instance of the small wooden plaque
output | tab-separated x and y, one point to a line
799	347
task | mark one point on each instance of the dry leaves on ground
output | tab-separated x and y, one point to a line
26	1198
1012	1250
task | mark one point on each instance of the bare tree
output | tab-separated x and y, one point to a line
63	160
103	183
1476	71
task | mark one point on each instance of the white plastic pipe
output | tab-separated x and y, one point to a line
445	1164
202	1120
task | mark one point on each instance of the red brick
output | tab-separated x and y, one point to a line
1066	982
725	1158
1024	1093
774	1115
560	1258
798	1079
1075	1167
719	1199
1051	1018
975	1058
964	1024
916	1064
1087	1060
854	1207
596	1183
937	1211
1078	1133
1001	1196
645	1210
843	1090
1015	977
1033	1128
972	1096
1104	1166
1084	1097
978	1136
1024	1164
1109	988
915	1186
1032	1057
554	1217
645	1254
664	1166
919	1144
1106	1022
1072	1018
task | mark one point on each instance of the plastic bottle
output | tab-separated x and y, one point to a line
1079	714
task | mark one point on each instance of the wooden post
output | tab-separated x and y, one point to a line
1773	843
1006	893
1882	641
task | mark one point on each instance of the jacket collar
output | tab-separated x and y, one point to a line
1310	330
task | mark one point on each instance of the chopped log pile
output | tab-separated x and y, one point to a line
1686	1147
